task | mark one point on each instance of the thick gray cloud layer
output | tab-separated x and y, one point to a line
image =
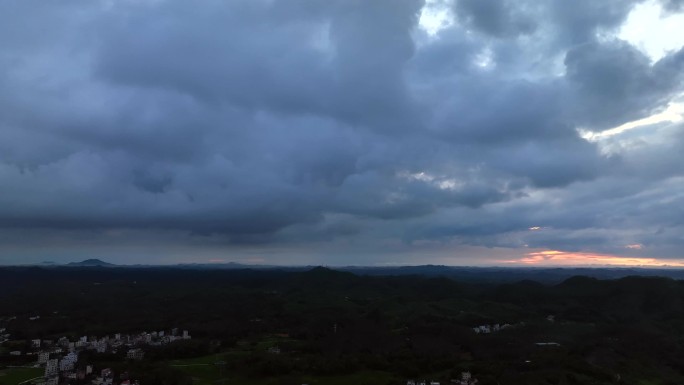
335	126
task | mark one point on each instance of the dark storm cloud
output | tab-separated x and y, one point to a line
331	59
499	18
673	5
302	123
565	23
614	82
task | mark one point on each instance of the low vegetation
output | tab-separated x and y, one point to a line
328	327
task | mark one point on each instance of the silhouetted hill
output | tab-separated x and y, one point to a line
91	263
514	274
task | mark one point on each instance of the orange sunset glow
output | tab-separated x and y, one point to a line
567	258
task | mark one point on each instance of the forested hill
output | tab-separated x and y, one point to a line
547	275
642	297
403	324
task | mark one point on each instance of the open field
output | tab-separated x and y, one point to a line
14	376
204	371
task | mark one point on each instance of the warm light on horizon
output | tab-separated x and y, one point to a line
566	258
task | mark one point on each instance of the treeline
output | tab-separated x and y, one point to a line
332	322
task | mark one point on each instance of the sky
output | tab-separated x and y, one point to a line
343	132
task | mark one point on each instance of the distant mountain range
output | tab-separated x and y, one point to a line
549	275
91	263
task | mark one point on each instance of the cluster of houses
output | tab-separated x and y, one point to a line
61	358
466	379
487	329
103	377
3	336
274	350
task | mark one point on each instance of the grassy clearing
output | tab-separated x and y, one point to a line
204	372
207	375
360	378
204	360
14	376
